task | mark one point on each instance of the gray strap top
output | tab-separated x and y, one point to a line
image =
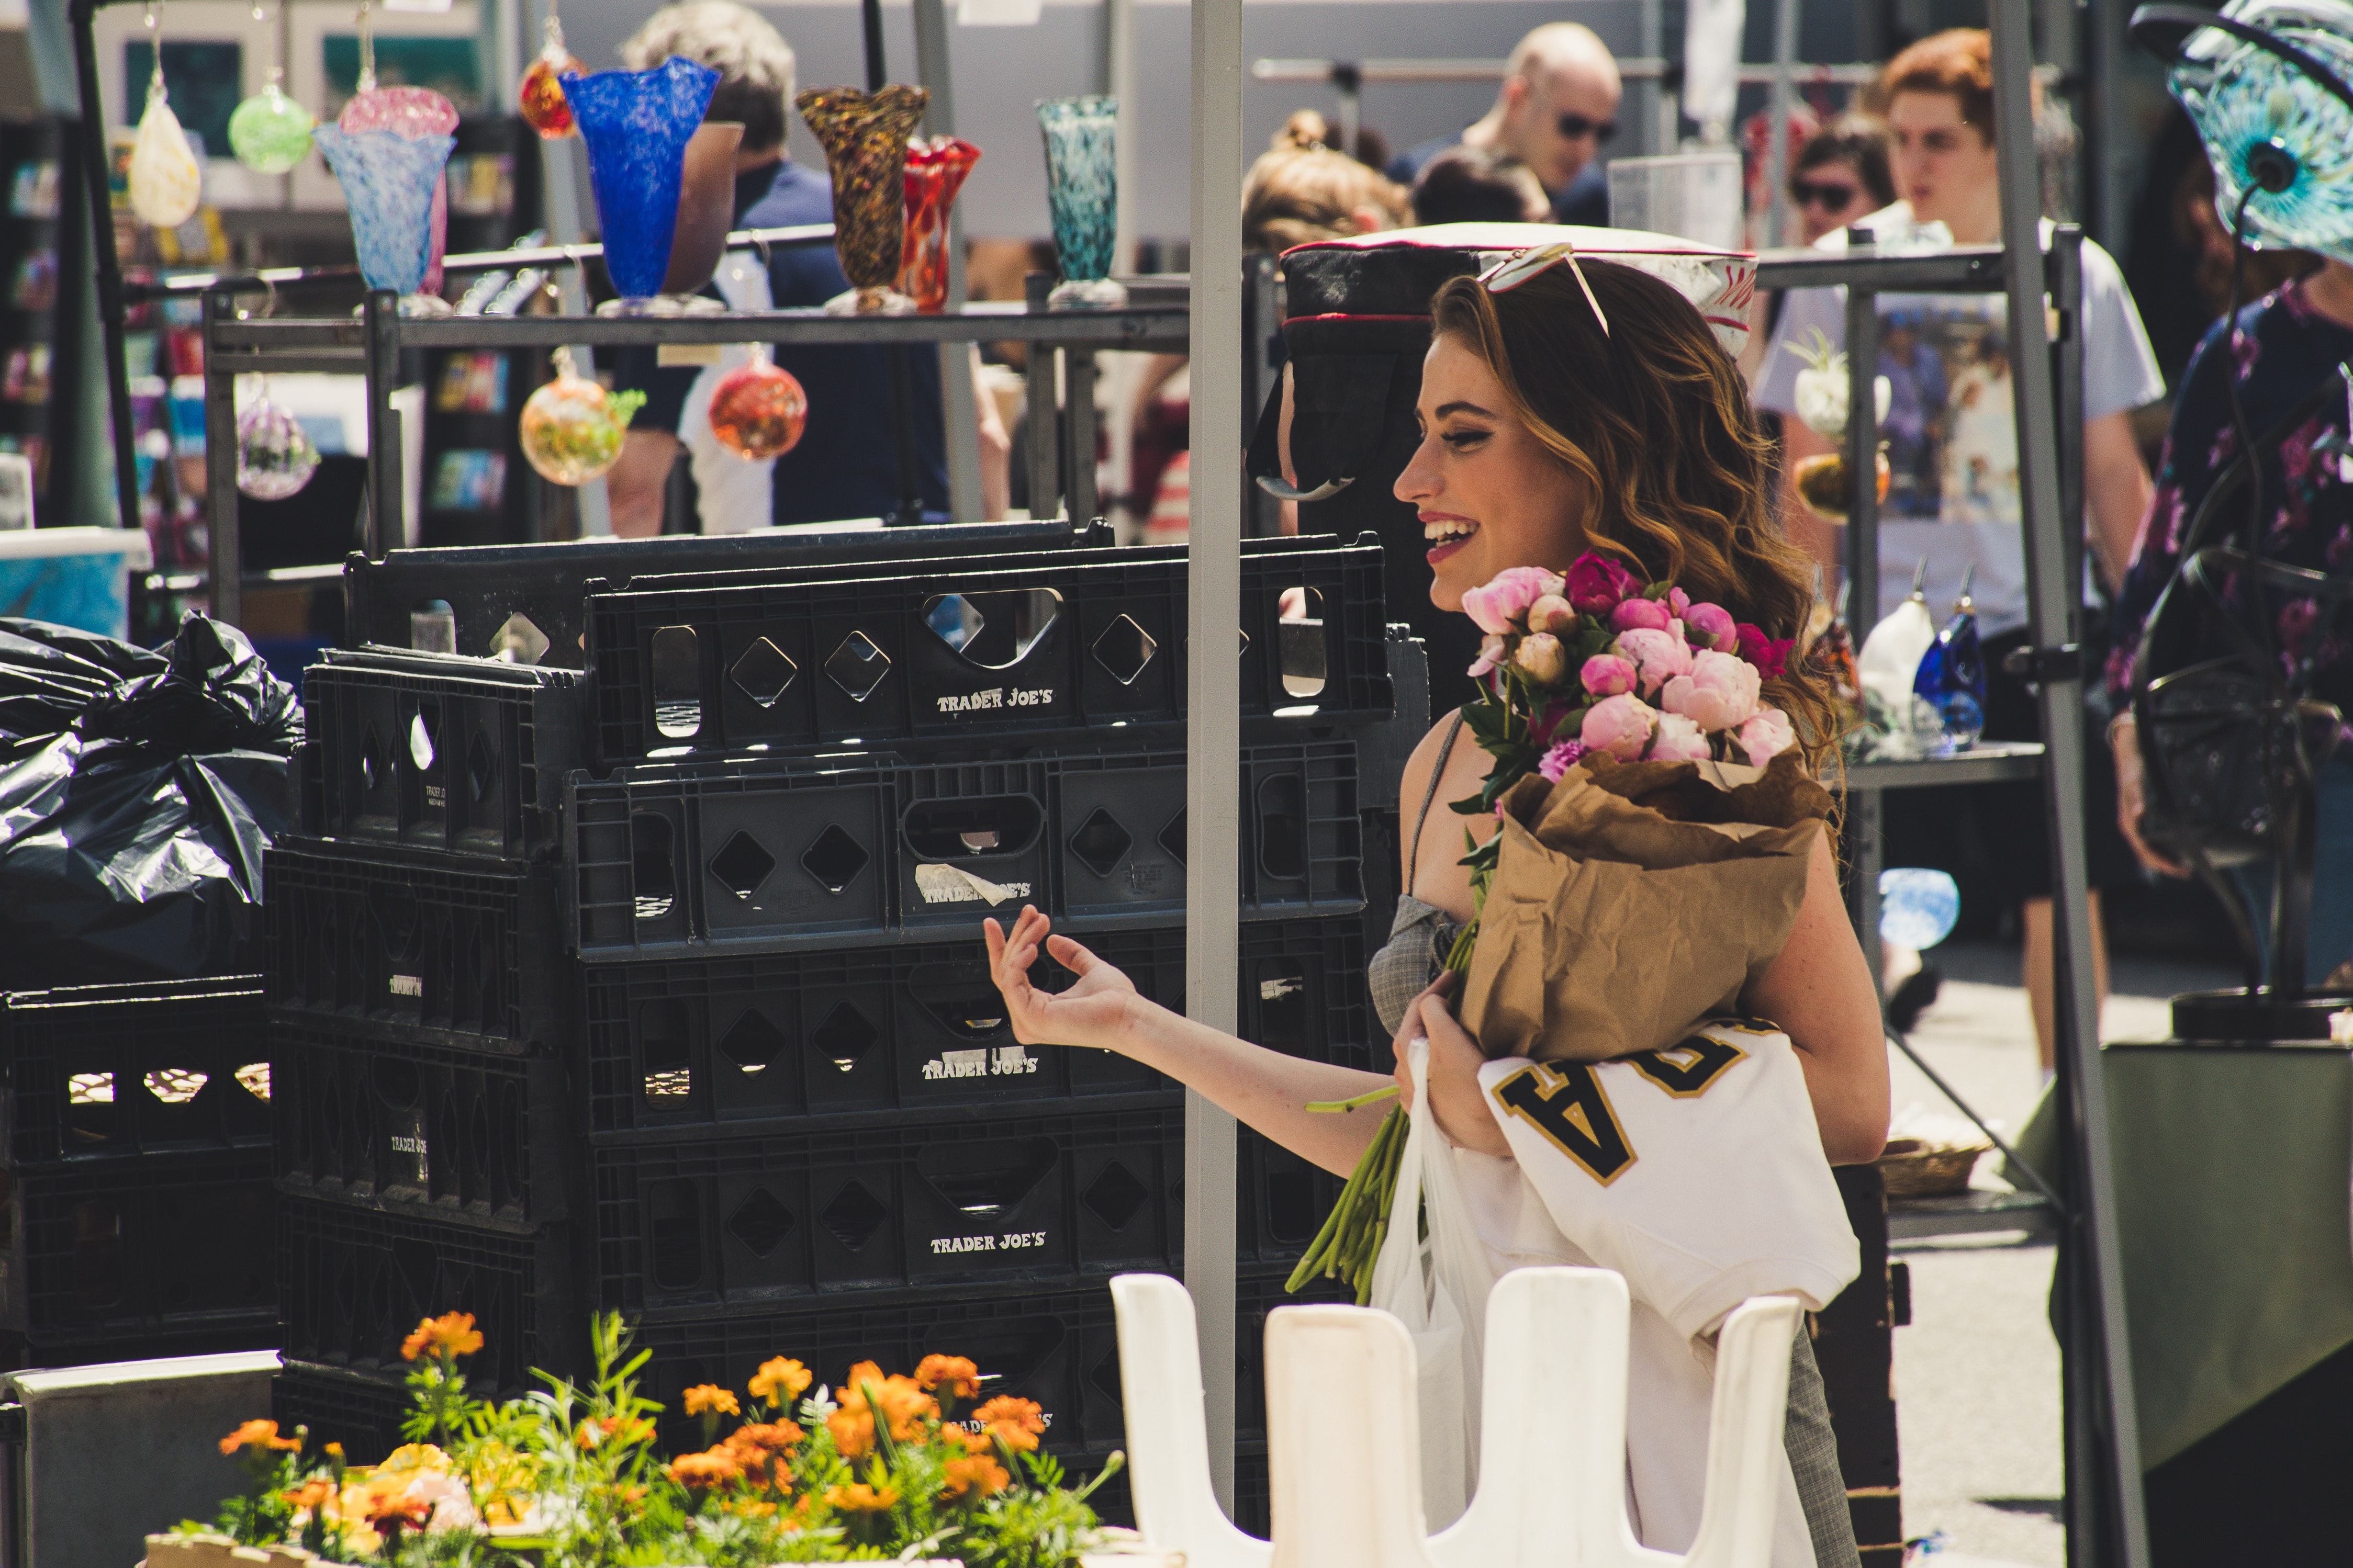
1422	934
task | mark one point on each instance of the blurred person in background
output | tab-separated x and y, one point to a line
846	465
1556	110
1841	174
1477	184
1955	505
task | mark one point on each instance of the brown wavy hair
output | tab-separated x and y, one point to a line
1655	419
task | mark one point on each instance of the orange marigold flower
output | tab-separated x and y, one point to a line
451	1334
766	1437
781	1381
310	1494
860	1498
1015	1422
972	1442
716	1468
904	1402
955	1373
258	1434
707	1398
853	1431
986	1474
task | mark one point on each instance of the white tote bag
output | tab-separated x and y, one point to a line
1438	1288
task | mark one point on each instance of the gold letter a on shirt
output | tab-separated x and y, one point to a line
1565	1103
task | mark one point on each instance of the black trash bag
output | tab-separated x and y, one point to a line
134	828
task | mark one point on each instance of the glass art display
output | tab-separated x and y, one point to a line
540	97
412	112
865	136
166	183
1082	195
758	409
573	429
270	133
936	167
1952	674
388	183
275	456
2273	129
637	125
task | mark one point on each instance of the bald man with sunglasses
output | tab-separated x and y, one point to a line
1556	111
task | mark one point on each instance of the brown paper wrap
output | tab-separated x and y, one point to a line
1633	900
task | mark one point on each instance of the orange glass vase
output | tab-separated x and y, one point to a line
936	167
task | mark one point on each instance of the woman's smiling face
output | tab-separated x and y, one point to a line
1489	493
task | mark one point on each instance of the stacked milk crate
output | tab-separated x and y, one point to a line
742	935
134	1186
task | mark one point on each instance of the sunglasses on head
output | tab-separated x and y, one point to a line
1576	127
1831	194
1513	270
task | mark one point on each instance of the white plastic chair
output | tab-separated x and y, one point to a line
1343	1440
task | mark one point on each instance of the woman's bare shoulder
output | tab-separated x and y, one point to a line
1428	753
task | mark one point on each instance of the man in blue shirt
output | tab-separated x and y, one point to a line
1558	107
846	462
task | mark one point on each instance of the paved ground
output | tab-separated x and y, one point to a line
1976	1372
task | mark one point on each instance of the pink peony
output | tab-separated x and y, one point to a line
1661	656
1680	741
1560	759
1720	693
1633	613
1710	625
1607	675
1619	725
1551	614
1767	735
1596	585
1769	655
1491	654
1678	603
1499	603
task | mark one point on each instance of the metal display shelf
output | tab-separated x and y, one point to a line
369	344
1970	1213
1994	764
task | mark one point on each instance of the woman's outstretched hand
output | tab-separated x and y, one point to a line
1094	1012
1455	1097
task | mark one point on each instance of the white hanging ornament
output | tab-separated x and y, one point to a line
166	183
275	456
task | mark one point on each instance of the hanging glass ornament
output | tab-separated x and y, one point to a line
758	409
573	428
165	181
540	97
275	456
270	132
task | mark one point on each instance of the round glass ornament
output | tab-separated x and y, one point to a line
275	456
270	133
758	410
573	429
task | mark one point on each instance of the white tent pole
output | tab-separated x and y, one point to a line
1213	691
1119	80
1776	119
956	392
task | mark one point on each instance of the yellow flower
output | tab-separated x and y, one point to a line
415	1457
703	1471
708	1398
958	1376
1014	1421
452	1334
781	1381
964	1474
258	1434
860	1498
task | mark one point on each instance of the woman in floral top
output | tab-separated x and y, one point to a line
2287	345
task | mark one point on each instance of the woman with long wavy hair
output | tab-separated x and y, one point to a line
1553	421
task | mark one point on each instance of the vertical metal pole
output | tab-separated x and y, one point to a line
386	528
1657	119
2100	1355
959	413
910	509
226	586
1041	428
1776	146
111	305
1862	805
1079	372
1261	319
1213	695
1127	135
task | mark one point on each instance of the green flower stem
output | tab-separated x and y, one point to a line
1362	1101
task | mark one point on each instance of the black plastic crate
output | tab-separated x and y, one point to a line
353	1282
483	587
876	653
137	1247
1285	1199
753	1217
359	1410
694	1042
418	945
96	1072
428	1129
439	752
768	855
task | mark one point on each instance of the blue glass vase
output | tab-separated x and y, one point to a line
388	182
1953	678
637	125
1082	194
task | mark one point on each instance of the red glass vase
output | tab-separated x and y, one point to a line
936	167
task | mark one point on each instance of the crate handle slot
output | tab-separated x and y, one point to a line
960	999
763	672
845	1036
1125	649
833	859
175	1086
965	829
665	1061
986	1180
253	1078
653	868
854	1215
519	641
753	1042
1305	666
742	865
676	664
1114	1196
1101	843
424	732
994	630
481	767
371	761
674	1231
857	666
761	1223
1282	826
1172	838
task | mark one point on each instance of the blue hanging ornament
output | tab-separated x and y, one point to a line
1952	672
